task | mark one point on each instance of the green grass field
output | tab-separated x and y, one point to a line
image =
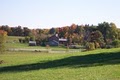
102	64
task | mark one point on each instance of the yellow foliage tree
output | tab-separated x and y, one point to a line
3	35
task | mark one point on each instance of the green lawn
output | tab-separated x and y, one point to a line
102	64
12	39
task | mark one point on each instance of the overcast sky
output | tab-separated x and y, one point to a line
58	13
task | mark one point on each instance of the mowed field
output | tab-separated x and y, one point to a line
101	64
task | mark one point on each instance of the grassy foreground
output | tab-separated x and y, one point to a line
102	64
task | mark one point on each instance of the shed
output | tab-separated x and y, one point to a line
63	41
32	43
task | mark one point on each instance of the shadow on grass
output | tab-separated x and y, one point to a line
69	62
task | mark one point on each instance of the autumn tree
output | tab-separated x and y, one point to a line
7	29
39	31
3	35
79	29
72	29
26	31
18	31
61	32
66	31
113	31
46	31
97	38
76	38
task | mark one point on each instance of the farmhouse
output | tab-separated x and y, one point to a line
53	40
56	41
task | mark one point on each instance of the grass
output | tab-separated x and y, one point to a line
102	64
13	42
12	39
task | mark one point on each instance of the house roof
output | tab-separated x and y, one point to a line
62	39
57	37
32	41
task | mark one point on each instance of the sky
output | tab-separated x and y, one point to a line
58	13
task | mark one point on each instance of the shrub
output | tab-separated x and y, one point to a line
109	46
20	40
27	39
116	43
90	46
97	45
102	45
32	38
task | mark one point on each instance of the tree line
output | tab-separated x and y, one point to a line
92	36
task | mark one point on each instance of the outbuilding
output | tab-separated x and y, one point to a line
32	43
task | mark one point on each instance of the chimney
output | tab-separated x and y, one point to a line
56	35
